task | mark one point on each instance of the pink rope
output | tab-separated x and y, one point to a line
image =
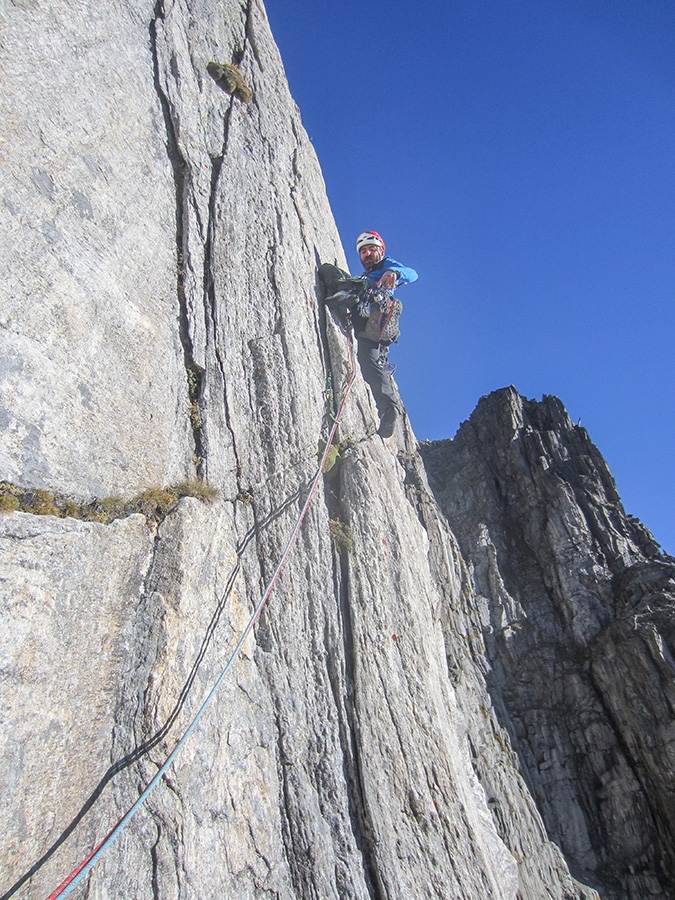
84	867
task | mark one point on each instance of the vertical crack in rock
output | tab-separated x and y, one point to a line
362	830
295	184
135	694
349	732
193	372
343	688
210	299
320	312
154	856
272	275
294	853
250	35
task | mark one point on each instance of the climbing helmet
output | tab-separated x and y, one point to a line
369	237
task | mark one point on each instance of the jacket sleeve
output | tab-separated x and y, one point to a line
406	275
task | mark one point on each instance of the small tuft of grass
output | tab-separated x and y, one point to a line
112	507
103	510
342	536
41	503
198	489
157	503
72	510
154	503
228	77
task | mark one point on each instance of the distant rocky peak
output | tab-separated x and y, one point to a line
579	628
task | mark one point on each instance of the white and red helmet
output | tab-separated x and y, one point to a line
369	237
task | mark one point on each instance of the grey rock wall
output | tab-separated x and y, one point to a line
577	617
69	603
354	750
93	393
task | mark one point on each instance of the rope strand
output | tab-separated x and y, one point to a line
87	864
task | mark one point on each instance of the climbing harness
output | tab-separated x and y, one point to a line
87	864
382	315
377	306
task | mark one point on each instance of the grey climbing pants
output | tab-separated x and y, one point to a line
381	383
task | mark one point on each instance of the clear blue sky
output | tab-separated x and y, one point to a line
520	154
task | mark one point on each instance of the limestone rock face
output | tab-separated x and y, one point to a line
578	619
352	749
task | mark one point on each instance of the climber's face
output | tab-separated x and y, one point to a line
371	255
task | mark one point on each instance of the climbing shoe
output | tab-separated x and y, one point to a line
342	301
387	423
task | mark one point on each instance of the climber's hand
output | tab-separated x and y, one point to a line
388	280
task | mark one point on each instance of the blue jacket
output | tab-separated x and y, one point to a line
405	274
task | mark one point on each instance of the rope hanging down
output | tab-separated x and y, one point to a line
87	864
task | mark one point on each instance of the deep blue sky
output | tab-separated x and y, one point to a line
520	154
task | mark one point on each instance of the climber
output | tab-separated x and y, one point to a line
356	297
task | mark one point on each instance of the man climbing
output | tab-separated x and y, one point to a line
374	312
